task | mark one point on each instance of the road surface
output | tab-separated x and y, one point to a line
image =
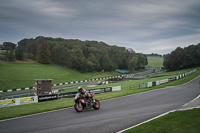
114	115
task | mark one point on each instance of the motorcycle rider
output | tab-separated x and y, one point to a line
85	94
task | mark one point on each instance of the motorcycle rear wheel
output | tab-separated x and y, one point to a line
78	107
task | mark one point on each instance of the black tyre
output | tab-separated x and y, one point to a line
96	104
78	107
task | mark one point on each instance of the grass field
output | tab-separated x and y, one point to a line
155	61
176	122
22	74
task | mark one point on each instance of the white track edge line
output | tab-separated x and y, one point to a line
146	121
163	115
35	114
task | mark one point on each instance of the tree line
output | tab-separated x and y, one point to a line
154	55
84	56
9	49
181	58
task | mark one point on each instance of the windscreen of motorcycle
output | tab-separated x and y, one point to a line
77	96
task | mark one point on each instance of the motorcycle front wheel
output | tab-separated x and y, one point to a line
96	104
78	107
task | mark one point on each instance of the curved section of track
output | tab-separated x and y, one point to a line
114	115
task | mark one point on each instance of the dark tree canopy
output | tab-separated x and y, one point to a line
9	47
80	55
43	51
180	58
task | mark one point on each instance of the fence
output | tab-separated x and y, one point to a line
154	83
36	99
66	83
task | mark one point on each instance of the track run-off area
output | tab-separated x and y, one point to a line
114	115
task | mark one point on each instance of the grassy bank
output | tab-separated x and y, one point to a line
155	61
22	74
21	110
176	122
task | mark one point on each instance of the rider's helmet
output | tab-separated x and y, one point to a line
81	90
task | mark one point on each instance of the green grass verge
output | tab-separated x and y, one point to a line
22	74
135	83
21	110
176	122
155	61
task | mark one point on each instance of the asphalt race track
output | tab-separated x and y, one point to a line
114	115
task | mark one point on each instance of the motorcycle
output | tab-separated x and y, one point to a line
82	103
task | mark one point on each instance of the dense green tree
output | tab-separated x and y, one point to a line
32	47
183	58
198	53
141	61
1	47
133	63
78	59
190	57
106	64
166	62
19	53
92	63
43	51
174	61
9	47
154	55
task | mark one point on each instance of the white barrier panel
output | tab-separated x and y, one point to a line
7	102
18	101
26	100
116	88
149	84
164	81
157	82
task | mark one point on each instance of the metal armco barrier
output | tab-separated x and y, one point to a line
101	90
67	95
47	97
73	94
